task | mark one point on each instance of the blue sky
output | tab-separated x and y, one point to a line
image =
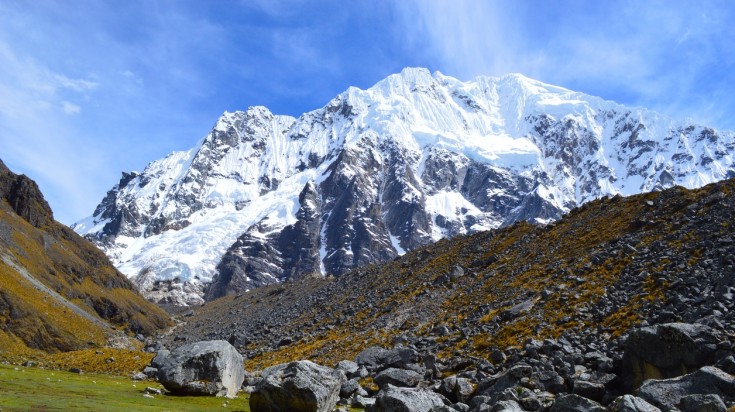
91	88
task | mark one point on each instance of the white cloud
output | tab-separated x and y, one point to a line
70	108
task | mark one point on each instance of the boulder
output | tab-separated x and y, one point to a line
363	402
376	358
299	386
702	403
506	406
349	368
397	377
394	399
150	372
202	368
349	387
494	386
667	351
456	273
552	382
630	403
590	390
457	389
160	356
668	393
575	403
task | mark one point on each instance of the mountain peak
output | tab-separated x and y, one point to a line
415	158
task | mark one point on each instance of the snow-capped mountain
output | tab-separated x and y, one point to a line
417	157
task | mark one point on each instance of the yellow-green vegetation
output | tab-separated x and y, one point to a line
68	270
369	384
104	360
34	389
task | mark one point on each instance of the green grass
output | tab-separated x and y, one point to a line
32	389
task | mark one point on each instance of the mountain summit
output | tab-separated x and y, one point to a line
265	198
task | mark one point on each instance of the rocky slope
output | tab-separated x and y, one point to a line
58	292
418	157
605	267
559	327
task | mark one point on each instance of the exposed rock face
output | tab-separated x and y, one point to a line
301	386
24	197
416	158
667	351
262	256
203	368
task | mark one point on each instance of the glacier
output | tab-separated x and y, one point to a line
374	173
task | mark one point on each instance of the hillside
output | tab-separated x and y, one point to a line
587	279
58	292
419	156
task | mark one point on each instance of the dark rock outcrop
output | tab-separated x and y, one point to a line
24	197
667	351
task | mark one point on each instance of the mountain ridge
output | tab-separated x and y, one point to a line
413	159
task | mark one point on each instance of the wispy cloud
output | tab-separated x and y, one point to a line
671	56
70	108
105	86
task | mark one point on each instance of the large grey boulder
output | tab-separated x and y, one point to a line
668	393
300	386
667	351
202	368
394	399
